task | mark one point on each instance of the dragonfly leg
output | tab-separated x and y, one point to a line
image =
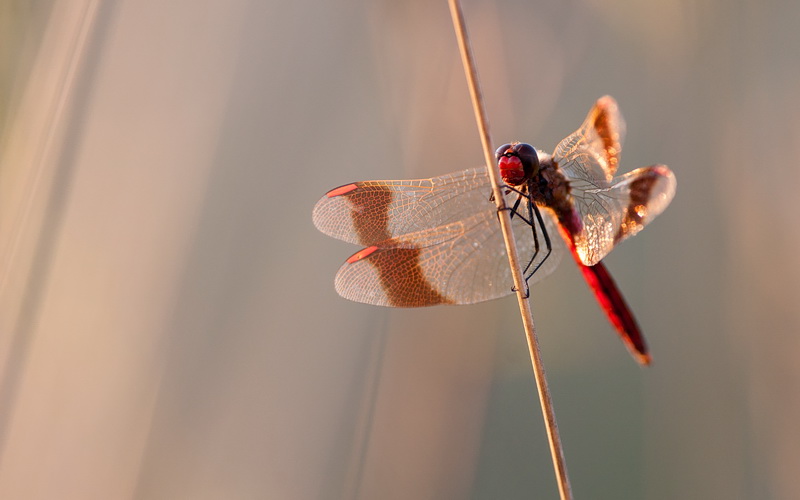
515	210
531	209
547	242
491	196
530	222
516	206
512	189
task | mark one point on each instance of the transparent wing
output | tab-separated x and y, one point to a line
610	209
612	213
594	149
460	262
374	211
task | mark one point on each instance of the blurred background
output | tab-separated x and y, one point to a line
168	323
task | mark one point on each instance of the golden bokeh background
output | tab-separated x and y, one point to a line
168	324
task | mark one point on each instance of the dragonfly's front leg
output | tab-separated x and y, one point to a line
533	211
515	209
532	207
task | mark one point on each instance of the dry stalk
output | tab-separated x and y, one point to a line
513	259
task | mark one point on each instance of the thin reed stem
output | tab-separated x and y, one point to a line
553	437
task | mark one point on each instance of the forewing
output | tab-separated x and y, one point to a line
592	152
460	262
374	211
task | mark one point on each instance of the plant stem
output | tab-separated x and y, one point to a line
553	436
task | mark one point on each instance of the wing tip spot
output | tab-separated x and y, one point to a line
341	190
661	170
361	254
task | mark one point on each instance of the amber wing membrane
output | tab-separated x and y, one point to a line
373	211
598	141
459	263
441	249
611	209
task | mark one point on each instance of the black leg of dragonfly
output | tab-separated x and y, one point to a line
532	224
515	209
533	211
532	206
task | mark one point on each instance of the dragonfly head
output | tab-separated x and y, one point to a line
518	162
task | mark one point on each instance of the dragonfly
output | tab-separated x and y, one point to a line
438	241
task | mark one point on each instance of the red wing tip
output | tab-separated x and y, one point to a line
341	190
606	102
662	170
361	254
